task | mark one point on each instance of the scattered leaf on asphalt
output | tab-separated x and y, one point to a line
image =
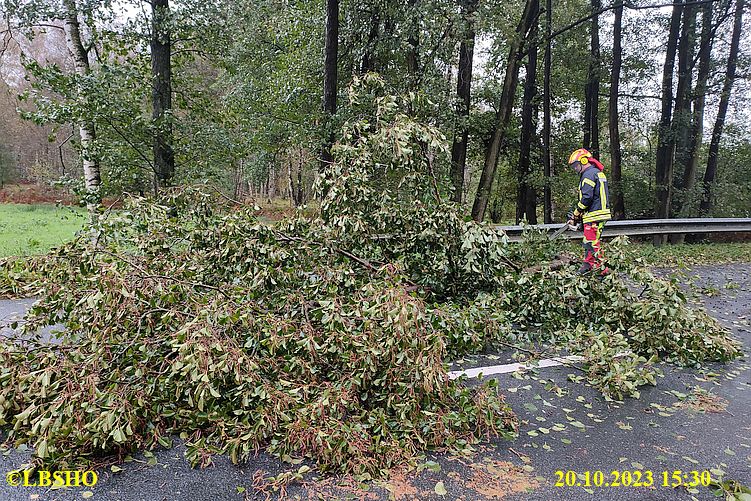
440	489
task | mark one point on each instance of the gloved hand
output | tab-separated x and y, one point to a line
573	218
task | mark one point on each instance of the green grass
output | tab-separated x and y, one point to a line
27	230
695	254
680	255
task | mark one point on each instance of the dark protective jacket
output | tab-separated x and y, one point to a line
593	196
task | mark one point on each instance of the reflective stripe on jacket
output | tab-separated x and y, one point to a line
593	196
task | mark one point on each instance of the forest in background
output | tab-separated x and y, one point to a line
132	96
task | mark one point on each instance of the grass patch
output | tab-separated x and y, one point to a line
694	254
33	229
678	255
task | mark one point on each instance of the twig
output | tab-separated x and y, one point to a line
105	215
146	275
511	263
627	5
60	149
351	256
525	459
226	197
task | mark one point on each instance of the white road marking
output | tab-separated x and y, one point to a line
506	368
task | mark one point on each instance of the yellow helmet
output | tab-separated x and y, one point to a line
581	155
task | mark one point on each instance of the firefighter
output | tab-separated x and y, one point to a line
592	208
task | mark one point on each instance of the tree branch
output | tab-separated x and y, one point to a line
627	5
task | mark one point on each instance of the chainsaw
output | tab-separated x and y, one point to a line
566	227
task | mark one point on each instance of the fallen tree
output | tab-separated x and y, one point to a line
321	336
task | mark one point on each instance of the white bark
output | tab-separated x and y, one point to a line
92	178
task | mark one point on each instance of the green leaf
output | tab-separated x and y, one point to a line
690	459
440	489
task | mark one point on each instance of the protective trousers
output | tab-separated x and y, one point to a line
593	255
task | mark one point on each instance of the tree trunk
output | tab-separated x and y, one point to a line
368	63
547	161
331	50
290	182
592	88
300	189
525	193
727	87
696	129
87	133
463	95
616	183
666	142
161	92
413	43
682	112
697	121
510	80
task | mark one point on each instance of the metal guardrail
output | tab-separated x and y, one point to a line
647	227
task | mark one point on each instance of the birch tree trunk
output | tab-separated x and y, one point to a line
91	172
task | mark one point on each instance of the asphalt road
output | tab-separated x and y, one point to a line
572	428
